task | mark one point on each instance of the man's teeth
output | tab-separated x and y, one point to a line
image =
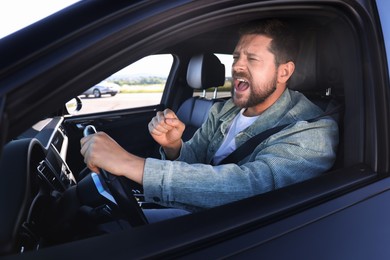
242	80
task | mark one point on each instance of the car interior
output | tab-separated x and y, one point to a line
204	71
328	71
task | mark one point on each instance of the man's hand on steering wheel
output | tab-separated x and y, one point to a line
103	155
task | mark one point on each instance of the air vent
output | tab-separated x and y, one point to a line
50	177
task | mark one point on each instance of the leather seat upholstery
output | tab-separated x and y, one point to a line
319	75
204	71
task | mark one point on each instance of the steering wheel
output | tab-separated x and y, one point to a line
122	195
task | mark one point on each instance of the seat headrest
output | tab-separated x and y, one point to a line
318	66
304	77
205	71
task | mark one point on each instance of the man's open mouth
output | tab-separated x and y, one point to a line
241	84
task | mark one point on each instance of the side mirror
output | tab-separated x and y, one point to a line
73	106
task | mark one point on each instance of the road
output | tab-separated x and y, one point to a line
125	100
120	101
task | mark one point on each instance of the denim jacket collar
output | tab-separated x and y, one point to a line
269	118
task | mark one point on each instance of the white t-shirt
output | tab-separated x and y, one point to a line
240	122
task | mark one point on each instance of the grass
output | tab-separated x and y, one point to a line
159	88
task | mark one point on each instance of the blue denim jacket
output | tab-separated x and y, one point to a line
301	151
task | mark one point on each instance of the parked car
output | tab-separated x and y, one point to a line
103	88
344	58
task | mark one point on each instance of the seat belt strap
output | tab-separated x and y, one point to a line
249	146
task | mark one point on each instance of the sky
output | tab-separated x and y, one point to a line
16	14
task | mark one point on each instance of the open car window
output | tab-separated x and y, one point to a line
140	84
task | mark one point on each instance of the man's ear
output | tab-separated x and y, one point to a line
285	71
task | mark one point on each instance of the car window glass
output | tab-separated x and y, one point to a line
223	91
17	14
383	8
137	85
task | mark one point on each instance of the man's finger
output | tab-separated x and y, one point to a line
174	122
158	125
169	113
156	131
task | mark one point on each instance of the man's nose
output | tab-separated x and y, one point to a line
238	65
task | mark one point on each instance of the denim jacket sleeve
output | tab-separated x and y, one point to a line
299	152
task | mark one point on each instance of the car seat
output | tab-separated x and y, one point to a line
204	71
319	76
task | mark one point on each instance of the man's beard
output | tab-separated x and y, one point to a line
257	95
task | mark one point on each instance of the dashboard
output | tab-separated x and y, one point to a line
45	204
53	167
35	177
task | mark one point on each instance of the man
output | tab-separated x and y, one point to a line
189	175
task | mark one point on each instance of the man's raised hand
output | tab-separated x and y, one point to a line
167	130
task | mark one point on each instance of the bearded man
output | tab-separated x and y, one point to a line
190	175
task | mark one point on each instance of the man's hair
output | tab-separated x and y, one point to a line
283	45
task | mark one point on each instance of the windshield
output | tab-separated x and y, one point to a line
383	8
17	14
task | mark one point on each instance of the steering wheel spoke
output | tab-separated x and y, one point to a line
122	194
